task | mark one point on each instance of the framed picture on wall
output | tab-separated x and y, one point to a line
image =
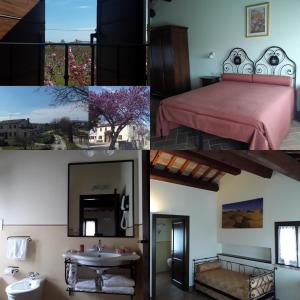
258	20
245	214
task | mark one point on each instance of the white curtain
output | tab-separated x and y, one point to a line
298	247
287	245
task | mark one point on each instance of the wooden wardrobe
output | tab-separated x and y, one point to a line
169	65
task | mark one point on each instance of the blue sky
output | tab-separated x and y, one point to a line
34	103
78	17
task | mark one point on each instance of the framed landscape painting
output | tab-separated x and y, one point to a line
245	214
258	20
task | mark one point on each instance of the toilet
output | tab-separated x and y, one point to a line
26	289
169	262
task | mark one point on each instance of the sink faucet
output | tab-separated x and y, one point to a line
100	247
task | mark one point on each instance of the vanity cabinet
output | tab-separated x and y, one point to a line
129	267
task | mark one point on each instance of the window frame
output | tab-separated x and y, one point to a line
292	224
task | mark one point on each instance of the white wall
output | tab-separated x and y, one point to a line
37	181
281	203
200	205
219	26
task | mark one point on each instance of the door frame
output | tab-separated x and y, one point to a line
146	223
186	250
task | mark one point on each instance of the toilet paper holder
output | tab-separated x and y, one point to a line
11	270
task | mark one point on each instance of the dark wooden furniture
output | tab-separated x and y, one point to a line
22	22
121	23
169	66
208	80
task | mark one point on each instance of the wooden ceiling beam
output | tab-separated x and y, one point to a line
183	167
215	176
276	160
204	175
195	170
205	160
165	176
171	162
156	158
233	159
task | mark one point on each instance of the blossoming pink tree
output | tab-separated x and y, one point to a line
80	64
119	108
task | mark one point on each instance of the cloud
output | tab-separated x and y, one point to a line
84	6
47	115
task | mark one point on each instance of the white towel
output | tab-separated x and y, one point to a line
118	290
110	280
86	285
72	274
17	248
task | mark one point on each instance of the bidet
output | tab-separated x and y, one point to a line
26	289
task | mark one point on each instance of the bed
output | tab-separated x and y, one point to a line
254	103
222	280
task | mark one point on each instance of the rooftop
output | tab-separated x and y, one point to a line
7	122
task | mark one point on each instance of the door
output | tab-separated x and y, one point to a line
179	248
22	22
121	60
178	253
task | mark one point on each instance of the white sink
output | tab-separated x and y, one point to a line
95	258
100	259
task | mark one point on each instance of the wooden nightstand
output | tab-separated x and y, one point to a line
208	80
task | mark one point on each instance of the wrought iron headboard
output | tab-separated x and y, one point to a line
238	62
275	61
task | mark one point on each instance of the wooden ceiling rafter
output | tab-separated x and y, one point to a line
170	163
279	161
195	170
211	166
169	177
232	158
184	166
196	157
156	158
205	173
172	167
215	176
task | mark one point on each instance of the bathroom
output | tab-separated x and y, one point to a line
166	237
36	204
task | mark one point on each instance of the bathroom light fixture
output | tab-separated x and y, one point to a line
212	55
90	153
109	152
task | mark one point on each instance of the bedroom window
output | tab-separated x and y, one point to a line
287	239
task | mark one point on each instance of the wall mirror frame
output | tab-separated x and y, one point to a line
101	199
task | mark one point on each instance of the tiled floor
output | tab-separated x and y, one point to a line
183	138
166	291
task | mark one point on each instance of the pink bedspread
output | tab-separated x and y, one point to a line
254	113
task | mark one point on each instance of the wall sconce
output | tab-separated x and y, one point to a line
211	55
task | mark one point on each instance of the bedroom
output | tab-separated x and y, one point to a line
197	189
191	51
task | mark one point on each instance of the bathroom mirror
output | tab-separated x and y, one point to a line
101	199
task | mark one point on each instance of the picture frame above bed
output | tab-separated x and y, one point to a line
258	20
